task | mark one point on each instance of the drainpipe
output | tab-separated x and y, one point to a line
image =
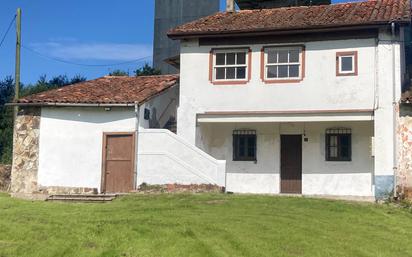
137	113
394	105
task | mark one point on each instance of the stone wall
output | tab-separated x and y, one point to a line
25	151
404	176
5	171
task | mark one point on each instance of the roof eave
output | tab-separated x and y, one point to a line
59	104
266	32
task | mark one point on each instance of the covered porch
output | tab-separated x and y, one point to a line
309	153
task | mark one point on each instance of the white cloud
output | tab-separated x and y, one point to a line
70	49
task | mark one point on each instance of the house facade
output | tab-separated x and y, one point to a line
297	103
300	100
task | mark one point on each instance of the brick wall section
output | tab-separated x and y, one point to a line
404	176
25	151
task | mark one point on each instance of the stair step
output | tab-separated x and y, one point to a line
82	198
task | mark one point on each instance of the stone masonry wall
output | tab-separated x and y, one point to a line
5	171
404	176
25	151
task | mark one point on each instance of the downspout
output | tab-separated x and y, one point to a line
137	113
394	105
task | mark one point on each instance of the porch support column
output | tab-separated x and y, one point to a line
384	150
387	92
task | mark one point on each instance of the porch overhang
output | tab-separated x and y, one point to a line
285	116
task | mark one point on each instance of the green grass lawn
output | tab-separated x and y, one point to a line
203	225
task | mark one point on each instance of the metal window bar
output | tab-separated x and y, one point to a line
247	150
334	147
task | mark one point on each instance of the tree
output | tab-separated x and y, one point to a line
6	120
147	70
56	82
118	73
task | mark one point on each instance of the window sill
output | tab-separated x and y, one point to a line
281	81
254	161
346	74
230	82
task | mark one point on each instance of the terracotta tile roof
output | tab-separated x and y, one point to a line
106	90
374	12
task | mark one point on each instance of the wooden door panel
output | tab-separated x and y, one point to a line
119	147
291	164
118	163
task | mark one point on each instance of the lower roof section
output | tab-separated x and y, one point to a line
286	116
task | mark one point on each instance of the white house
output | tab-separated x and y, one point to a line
300	100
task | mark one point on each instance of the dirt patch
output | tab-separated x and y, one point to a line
5	173
177	188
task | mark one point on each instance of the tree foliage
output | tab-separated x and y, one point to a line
6	112
118	73
6	120
147	70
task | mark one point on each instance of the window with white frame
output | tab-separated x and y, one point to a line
283	63
230	65
346	63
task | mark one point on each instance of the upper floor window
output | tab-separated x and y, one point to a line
338	144
230	65
282	64
346	63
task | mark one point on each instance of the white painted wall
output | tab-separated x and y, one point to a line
384	113
71	143
71	150
319	177
321	89
165	158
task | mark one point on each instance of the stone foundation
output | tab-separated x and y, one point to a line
5	173
25	151
404	176
178	188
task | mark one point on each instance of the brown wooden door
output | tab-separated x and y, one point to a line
291	164
118	162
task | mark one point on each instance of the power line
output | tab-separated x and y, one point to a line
81	64
8	29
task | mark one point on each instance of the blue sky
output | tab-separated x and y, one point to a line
79	31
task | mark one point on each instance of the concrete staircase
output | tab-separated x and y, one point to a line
97	198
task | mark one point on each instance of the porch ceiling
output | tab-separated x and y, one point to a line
285	116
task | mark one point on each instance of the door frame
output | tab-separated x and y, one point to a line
104	145
280	162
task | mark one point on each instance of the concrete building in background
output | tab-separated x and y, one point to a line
169	14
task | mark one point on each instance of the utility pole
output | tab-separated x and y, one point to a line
17	68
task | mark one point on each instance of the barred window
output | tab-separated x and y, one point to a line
244	145
338	144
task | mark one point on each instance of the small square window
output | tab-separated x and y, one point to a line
244	145
346	63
